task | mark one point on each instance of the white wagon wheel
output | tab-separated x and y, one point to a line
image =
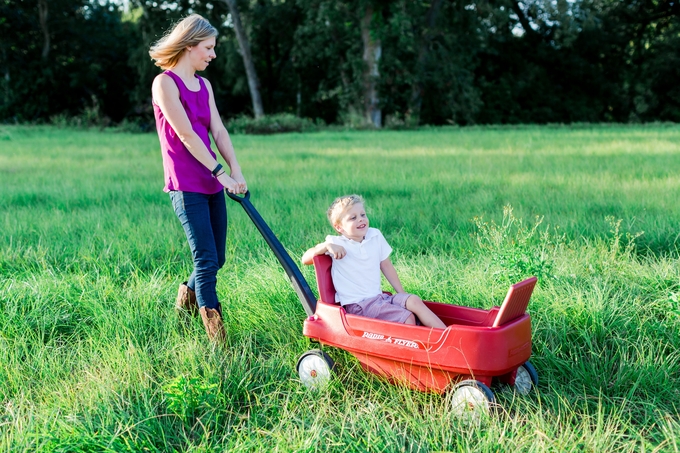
314	368
471	400
526	378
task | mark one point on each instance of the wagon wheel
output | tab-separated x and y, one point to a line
526	378
314	368
471	400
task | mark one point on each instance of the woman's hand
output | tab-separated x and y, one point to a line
231	184
240	180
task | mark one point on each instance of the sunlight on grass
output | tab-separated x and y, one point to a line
94	358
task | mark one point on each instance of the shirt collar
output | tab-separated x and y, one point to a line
370	234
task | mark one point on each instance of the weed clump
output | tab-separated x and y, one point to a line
270	124
518	251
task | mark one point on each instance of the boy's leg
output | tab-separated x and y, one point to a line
416	305
381	307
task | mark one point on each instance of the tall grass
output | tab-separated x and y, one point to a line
93	358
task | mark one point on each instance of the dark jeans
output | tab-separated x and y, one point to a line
204	218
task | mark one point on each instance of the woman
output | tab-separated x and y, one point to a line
185	111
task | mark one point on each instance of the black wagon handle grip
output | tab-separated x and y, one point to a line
233	196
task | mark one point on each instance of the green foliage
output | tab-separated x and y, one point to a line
484	62
91	116
188	398
518	251
270	124
428	64
85	58
327	59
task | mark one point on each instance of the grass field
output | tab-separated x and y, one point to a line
91	255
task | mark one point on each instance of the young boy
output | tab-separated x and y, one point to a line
359	255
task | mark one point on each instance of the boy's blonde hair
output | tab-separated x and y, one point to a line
340	205
187	32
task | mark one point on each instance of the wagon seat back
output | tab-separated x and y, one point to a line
516	302
324	281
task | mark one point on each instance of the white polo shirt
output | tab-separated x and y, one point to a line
357	276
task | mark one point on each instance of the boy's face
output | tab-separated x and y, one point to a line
353	223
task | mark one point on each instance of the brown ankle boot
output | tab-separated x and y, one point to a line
186	300
213	324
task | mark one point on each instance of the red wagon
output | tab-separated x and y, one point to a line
477	346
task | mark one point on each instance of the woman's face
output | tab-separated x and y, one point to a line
202	54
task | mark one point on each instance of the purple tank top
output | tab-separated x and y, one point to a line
182	171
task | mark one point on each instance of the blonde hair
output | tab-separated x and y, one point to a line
187	32
340	205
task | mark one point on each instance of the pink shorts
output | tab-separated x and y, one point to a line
388	307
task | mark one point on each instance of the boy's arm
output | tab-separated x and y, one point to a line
334	250
390	274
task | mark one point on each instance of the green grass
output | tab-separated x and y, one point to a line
91	254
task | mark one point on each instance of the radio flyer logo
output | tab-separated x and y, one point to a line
393	340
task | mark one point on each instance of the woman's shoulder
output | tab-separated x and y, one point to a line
163	79
164	87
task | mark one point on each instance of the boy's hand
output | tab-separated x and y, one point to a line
336	251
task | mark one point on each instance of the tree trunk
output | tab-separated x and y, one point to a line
244	45
5	85
42	15
523	20
417	89
372	51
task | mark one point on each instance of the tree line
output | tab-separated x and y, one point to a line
355	62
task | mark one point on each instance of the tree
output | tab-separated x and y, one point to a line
357	62
327	56
51	66
424	43
428	64
42	14
371	73
244	44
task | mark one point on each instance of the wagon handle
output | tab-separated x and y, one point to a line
233	196
299	283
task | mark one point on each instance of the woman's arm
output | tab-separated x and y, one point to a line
223	142
166	95
390	274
